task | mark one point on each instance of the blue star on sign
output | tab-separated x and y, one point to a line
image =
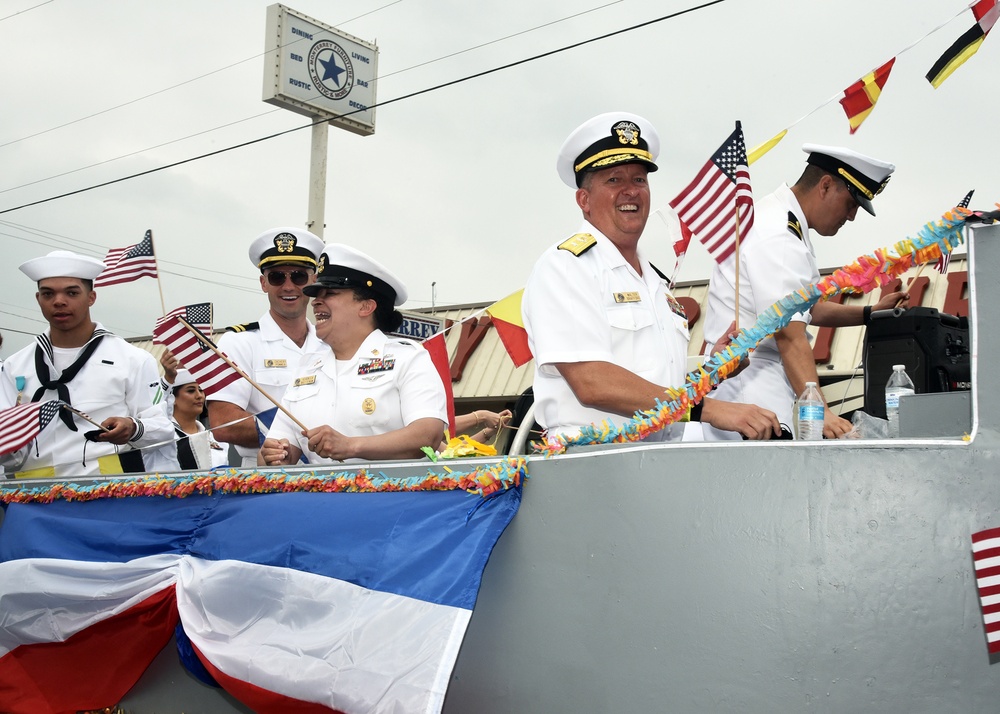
331	70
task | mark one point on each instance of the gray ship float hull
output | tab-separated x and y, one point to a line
737	577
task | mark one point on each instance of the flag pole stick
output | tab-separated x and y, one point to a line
83	416
159	284
912	281
737	254
207	343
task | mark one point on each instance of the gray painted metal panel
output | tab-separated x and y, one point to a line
732	577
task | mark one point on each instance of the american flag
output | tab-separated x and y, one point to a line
986	560
196	352
942	265
130	263
199	315
20	424
709	204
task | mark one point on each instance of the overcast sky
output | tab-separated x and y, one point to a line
457	186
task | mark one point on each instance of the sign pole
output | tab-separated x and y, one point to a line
317	177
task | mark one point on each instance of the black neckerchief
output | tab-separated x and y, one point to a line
185	451
59	384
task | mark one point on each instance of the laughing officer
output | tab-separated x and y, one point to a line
369	396
269	350
81	363
606	333
777	258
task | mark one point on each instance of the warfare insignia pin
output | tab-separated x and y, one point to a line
368	406
284	242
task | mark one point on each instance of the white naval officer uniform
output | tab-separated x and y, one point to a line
271	358
595	307
389	383
776	258
118	380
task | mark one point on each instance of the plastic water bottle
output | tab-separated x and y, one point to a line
899	383
809	416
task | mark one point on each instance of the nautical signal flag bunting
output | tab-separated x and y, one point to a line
859	99
986	13
506	316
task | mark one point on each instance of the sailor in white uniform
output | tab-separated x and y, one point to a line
605	332
269	350
776	259
81	363
373	396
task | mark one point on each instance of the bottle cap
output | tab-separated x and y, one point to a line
899	366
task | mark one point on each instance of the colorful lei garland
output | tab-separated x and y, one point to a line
864	275
484	480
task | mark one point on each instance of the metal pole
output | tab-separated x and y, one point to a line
317	178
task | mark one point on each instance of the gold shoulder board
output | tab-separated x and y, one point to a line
578	244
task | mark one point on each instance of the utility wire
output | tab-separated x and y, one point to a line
101	251
417	93
262	114
27	9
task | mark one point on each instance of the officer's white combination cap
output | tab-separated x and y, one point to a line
285	246
865	177
604	141
342	266
62	264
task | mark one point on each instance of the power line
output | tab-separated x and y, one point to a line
27	9
165	89
417	93
101	251
262	114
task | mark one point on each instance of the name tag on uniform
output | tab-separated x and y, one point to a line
276	363
627	297
301	381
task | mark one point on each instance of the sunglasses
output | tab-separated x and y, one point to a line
277	277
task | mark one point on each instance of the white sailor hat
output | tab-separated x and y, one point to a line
62	264
183	377
607	140
865	177
280	246
342	266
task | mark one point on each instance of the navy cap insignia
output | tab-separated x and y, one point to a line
284	242
321	266
628	132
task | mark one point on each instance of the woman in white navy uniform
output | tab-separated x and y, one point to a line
374	396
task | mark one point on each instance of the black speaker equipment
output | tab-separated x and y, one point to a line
934	347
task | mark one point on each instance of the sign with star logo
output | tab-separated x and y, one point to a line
315	69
